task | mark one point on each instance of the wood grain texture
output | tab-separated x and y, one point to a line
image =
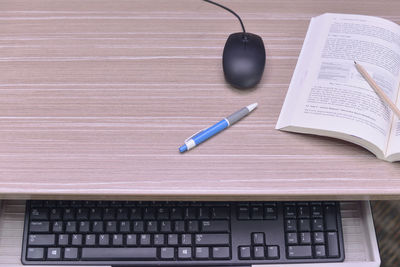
97	96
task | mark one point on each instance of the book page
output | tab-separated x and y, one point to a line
331	95
393	150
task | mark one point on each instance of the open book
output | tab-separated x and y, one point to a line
327	96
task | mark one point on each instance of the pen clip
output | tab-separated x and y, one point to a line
193	135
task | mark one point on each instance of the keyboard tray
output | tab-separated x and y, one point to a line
359	236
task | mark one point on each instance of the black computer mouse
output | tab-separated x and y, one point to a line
243	60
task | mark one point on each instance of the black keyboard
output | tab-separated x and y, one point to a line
181	233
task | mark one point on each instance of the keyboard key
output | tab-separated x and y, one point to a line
172	239
119	254
57	227
109	214
39	227
243	213
84	227
316	211
111	227
332	244
167	254
82	214
166	227
259	252
124	227
88	203
257	213
70	253
185	253
122	214
159	240
220	212
116	203
149	213
202	253
189	213
104	240
162	213
41	240
221	253
215	226
320	251
136	213
204	213
305	238
117	240
70	227
193	226
176	213
63	203
303	212
186	239
76	240
152	226
299	252
69	214
90	240
319	238
145	239
304	225
138	227
244	253
317	225
131	240
35	254
75	203
291	225
97	227
36	203
179	226
95	214
54	253
257	238
330	218
212	239
291	238
49	203
55	214
63	240
39	214
290	212
270	212
273	252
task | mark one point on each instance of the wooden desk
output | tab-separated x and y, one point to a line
97	96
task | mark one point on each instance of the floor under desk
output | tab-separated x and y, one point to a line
358	230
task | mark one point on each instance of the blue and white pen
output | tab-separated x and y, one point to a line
202	136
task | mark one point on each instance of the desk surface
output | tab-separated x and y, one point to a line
97	96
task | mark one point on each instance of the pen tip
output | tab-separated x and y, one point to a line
252	107
355	62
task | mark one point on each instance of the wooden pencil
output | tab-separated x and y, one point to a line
377	89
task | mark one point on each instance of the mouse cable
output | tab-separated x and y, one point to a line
230	10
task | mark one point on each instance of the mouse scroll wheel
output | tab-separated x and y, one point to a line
245	39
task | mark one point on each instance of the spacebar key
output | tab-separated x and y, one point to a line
119	254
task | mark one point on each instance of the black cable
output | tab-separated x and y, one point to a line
224	7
